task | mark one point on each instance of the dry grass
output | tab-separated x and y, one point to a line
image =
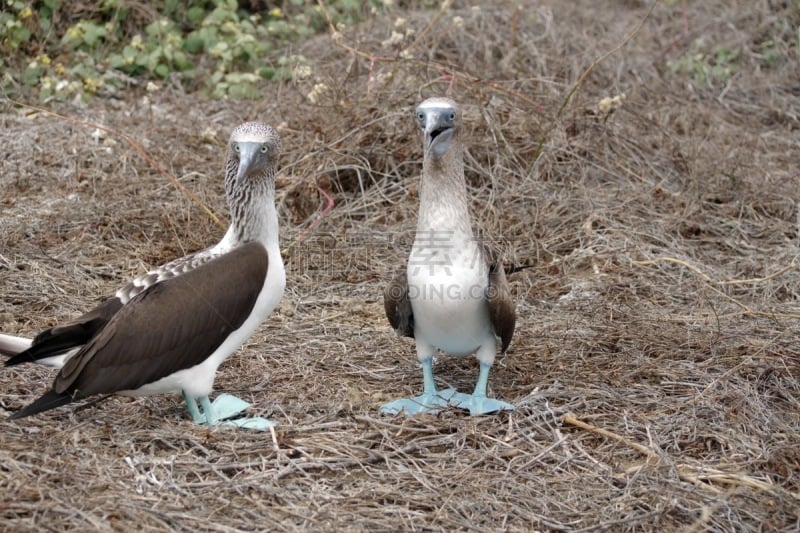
655	367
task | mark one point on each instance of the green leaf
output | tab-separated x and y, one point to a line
195	14
171	6
116	61
93	34
266	72
194	43
162	70
181	61
31	75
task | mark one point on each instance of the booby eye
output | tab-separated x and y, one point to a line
452	115
420	116
264	148
236	147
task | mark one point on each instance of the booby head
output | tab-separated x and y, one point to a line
253	150
438	119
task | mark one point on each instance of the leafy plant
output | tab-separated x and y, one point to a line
705	67
101	48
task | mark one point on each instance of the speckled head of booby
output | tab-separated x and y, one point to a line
437	118
253	148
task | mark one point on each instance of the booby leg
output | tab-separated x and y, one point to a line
477	402
210	415
430	401
194	412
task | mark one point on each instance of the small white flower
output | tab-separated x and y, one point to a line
458	21
396	38
609	104
316	92
209	134
301	72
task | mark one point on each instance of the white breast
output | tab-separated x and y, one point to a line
447	281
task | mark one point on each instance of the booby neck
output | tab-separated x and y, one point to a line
443	202
253	216
251	199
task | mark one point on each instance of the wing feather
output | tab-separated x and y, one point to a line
502	311
173	325
396	304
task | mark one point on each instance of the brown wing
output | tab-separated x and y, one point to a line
173	325
396	304
501	307
64	337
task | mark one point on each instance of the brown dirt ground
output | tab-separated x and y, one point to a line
655	365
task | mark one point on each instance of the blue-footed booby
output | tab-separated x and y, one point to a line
170	329
453	294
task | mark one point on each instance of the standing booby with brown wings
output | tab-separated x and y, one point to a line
453	294
170	329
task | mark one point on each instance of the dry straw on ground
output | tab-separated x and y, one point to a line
654	256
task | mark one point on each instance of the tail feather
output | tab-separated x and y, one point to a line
52	346
51	354
11	345
49	400
54	342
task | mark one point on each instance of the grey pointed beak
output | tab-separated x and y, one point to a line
438	128
248	159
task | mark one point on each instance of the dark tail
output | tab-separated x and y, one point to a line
40	351
50	400
61	339
55	341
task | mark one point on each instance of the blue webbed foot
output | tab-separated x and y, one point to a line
477	402
426	403
224	407
479	405
255	423
227	406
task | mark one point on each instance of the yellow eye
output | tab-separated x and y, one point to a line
236	148
264	149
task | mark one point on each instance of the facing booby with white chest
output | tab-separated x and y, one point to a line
453	294
170	329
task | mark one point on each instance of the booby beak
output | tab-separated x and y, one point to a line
438	125
251	158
